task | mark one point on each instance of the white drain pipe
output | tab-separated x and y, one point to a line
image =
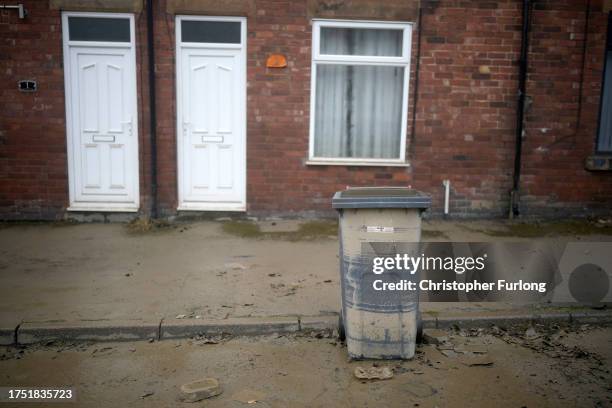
446	184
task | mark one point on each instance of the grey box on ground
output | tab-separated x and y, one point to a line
374	328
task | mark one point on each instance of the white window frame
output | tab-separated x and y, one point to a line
400	61
185	17
119	44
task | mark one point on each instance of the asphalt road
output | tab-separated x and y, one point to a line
548	366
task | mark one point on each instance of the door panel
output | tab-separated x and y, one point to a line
104	147
115	99
200	168
212	139
91	167
88	96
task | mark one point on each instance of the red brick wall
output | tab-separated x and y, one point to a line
561	124
467	103
32	125
166	110
33	157
465	110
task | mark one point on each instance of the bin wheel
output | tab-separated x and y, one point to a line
419	332
341	331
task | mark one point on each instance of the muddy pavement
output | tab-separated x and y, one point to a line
207	269
540	366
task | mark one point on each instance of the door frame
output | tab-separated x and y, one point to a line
179	46
67	45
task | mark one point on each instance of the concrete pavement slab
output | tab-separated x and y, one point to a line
594	317
319	322
7	336
106	272
32	332
181	328
8	326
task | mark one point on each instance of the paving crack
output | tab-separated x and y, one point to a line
159	329
16	331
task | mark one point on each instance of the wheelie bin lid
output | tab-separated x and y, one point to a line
380	197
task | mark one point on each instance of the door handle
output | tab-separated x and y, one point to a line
186	125
128	125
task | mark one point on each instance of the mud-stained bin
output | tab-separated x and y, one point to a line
378	220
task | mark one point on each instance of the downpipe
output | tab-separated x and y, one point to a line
152	106
520	112
446	184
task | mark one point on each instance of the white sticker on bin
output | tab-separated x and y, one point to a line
380	229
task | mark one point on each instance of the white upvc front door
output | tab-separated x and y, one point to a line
101	115
211	113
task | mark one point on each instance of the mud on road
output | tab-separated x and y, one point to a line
541	366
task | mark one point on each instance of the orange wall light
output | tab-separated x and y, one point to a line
276	61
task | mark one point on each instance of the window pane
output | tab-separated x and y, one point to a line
99	29
358	111
224	32
361	41
604	138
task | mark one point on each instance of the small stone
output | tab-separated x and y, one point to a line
473	361
476	349
373	373
531	333
200	389
419	389
435	336
248	396
235	266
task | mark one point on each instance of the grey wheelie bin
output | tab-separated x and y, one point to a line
378	324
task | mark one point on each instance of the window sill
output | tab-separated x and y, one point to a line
92	207
355	163
599	162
